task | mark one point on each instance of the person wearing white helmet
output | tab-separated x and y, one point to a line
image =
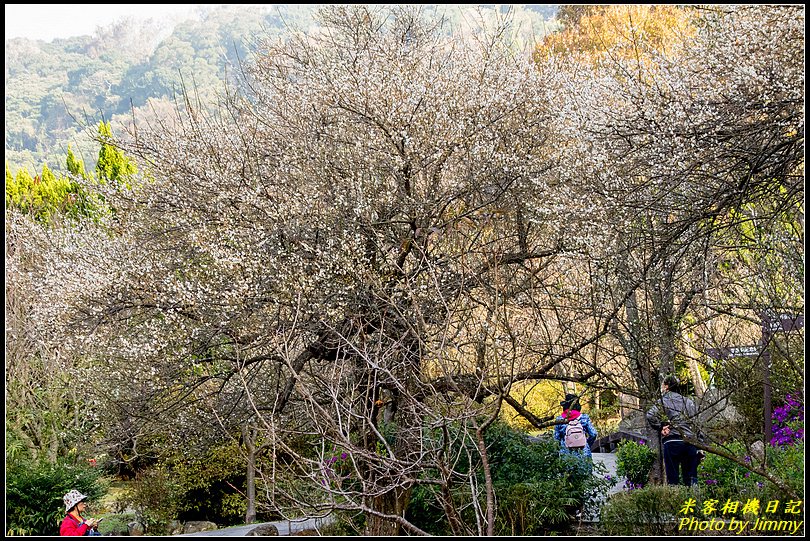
74	523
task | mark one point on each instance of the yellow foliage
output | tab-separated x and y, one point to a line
622	31
540	398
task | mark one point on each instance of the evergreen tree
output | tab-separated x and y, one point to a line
47	194
113	165
75	165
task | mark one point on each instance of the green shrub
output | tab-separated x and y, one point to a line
538	490
206	483
787	463
652	510
193	486
722	479
424	510
34	492
535	508
634	461
514	460
155	496
116	523
721	476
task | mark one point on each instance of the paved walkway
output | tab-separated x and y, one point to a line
609	461
285	527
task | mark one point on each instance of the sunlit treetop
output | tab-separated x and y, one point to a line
618	31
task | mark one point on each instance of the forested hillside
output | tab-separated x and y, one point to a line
58	92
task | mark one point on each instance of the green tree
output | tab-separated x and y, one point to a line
48	196
75	166
34	492
42	196
112	165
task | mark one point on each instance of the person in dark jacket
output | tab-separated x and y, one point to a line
74	523
674	416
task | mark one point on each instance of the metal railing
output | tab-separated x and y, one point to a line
607	444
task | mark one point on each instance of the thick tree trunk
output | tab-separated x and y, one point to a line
250	513
391	503
654	442
644	376
664	307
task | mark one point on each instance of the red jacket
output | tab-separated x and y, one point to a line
72	526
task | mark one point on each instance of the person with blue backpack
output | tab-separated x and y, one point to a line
575	431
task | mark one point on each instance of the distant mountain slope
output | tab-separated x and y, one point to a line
56	90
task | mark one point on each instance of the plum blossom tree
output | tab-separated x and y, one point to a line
358	256
349	234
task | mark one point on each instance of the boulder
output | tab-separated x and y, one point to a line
264	529
758	451
719	419
196	526
135	528
633	422
175	527
717	409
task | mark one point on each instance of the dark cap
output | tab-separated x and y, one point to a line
570	400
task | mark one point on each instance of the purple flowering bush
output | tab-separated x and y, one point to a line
723	477
788	421
634	461
335	469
